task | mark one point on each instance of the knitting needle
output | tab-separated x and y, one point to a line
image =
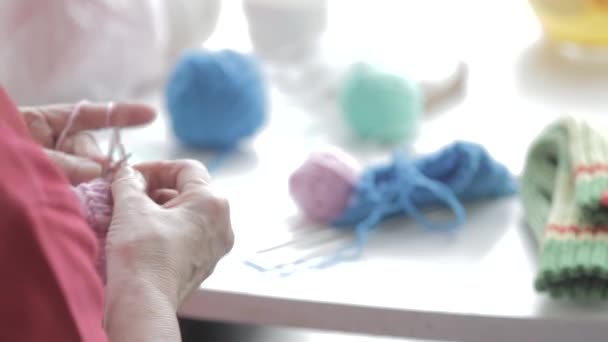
325	235
123	157
323	250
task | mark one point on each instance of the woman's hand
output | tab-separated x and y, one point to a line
168	227
79	155
167	234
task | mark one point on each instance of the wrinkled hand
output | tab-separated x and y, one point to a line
168	228
79	156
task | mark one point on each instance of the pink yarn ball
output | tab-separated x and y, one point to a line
96	199
324	183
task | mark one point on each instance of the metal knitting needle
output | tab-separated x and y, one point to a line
303	258
326	235
123	157
315	247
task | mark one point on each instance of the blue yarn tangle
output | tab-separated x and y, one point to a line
460	172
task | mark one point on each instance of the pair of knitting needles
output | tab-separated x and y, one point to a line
306	244
303	246
115	144
109	166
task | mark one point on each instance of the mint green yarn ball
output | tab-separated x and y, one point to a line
379	105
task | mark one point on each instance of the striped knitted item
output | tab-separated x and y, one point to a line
563	191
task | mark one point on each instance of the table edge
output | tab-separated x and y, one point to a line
239	308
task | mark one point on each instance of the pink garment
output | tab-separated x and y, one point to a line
50	290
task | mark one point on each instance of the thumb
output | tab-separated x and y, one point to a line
128	186
77	169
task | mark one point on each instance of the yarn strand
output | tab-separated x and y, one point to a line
69	124
115	140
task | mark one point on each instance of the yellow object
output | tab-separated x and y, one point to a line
583	22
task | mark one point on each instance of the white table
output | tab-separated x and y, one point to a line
474	286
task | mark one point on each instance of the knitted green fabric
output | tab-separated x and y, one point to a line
562	189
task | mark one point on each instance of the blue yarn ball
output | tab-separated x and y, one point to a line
215	99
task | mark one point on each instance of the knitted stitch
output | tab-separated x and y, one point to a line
96	204
562	186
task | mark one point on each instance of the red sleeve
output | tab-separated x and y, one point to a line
50	290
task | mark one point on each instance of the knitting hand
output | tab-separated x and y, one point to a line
168	228
79	155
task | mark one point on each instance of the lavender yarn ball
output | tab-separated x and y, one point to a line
322	186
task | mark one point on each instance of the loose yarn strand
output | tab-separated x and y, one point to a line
115	140
68	126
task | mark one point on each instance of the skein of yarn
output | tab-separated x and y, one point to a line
380	105
216	99
388	107
323	184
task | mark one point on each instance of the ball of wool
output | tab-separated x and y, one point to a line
322	186
379	105
215	99
96	204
